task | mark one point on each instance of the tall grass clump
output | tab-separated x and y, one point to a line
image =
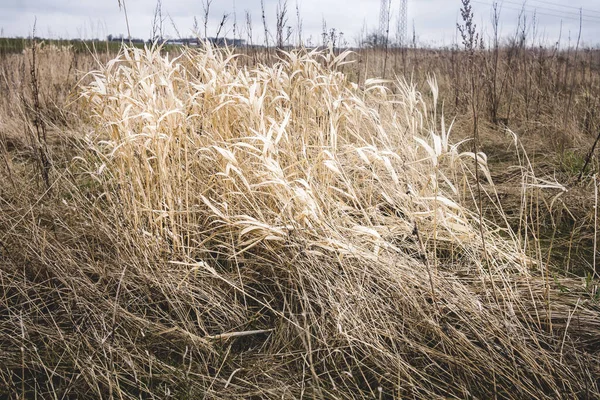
342	203
281	232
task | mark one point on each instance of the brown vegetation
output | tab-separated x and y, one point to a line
283	226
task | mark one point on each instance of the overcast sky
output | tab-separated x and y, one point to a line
434	21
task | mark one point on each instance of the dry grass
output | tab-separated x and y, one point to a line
277	231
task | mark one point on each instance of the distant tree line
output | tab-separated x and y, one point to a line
193	41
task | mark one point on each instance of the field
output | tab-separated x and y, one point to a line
260	223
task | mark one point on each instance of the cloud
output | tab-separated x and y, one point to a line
434	21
